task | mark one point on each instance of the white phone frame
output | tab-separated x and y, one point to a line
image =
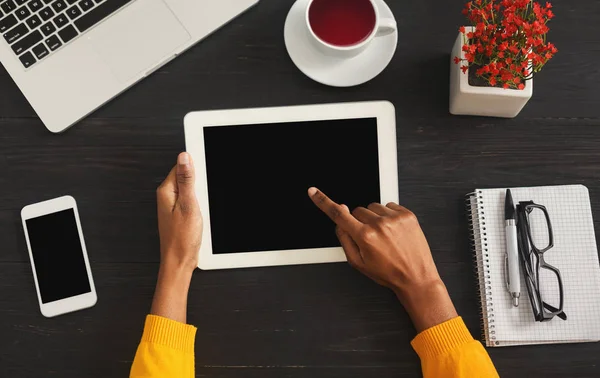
194	124
77	302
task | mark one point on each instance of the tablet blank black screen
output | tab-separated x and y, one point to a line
258	176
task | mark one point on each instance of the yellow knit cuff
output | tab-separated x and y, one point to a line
167	332
442	338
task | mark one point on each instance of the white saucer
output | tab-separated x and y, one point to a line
334	71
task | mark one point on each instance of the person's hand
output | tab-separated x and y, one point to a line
387	244
180	229
179	216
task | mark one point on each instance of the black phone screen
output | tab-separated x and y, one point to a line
258	177
58	256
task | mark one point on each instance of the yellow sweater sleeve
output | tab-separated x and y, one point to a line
166	350
448	350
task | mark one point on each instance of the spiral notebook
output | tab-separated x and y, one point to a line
575	254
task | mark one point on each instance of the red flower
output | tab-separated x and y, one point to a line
506	76
521	3
537	10
521	86
508	42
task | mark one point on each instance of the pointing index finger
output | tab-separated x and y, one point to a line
337	213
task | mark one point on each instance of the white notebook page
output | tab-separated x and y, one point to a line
575	254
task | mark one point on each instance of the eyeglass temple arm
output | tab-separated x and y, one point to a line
553	309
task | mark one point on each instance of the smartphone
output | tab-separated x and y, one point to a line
59	260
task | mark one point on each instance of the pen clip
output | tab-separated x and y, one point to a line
506	274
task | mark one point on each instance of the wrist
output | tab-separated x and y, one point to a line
173	262
411	290
427	303
170	296
176	275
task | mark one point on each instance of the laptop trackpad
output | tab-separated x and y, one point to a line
138	38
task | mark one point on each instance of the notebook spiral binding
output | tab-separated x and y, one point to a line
479	245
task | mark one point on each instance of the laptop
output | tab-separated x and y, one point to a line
69	57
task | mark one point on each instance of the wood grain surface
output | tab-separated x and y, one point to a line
304	321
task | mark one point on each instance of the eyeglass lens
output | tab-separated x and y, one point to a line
549	287
540	231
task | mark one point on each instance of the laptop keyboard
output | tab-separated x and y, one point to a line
35	29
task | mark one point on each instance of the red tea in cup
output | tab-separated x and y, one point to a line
342	23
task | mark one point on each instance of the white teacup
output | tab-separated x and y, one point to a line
321	20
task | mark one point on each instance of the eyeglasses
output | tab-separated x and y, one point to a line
544	282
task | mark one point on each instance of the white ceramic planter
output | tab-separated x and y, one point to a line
482	101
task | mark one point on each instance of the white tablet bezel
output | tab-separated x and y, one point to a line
77	302
194	124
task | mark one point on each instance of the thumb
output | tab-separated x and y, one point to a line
186	176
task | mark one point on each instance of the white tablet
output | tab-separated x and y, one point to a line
254	167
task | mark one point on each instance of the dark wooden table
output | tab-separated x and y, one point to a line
305	321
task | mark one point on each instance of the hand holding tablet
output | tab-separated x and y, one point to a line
180	229
179	216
